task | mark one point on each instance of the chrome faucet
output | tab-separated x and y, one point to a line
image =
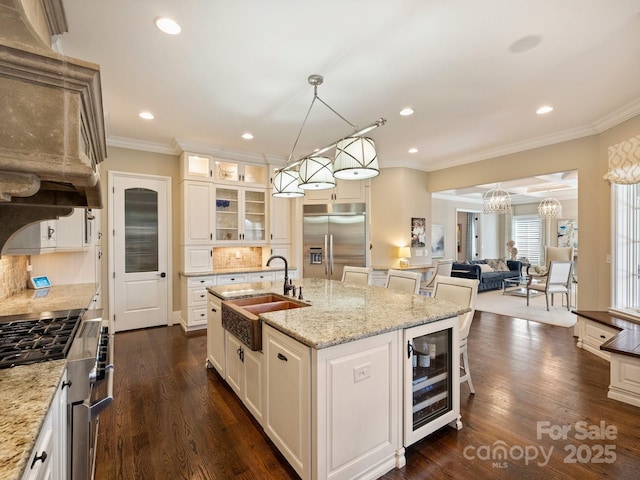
287	285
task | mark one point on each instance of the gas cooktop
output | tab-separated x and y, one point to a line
28	338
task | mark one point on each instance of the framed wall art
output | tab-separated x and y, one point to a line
568	233
437	241
418	233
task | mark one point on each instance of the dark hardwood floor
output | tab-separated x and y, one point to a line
174	419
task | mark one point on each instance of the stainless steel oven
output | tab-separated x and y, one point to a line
90	369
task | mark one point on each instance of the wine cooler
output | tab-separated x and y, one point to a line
432	378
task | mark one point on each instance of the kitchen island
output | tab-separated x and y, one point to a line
334	386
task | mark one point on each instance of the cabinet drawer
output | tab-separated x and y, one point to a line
205	281
198	316
261	277
596	334
197	296
227	279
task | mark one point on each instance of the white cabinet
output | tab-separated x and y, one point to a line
215	335
231	279
431	378
287	413
193	298
357	397
70	232
625	379
345	191
66	234
232	171
261	277
593	334
48	459
199	213
243	373
196	166
240	215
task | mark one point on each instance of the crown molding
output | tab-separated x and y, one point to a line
135	144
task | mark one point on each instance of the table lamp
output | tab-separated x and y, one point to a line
404	253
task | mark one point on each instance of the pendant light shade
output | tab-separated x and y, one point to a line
496	200
316	173
356	159
549	208
285	185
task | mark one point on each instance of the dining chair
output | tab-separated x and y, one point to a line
403	281
357	275
442	268
557	280
463	292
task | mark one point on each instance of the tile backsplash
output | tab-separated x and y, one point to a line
241	257
13	275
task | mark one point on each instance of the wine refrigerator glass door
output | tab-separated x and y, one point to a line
432	389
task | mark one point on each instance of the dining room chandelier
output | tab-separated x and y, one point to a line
549	208
496	200
355	158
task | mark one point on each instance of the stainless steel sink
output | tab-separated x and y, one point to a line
241	316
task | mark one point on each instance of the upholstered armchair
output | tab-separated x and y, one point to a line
551	254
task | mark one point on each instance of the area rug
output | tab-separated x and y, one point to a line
495	301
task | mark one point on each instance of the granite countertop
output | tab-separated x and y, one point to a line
231	271
417	268
341	313
56	297
26	391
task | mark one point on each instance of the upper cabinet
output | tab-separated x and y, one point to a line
345	191
230	171
196	166
64	234
240	215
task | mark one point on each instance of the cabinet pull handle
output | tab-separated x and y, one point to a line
66	384
603	337
214	310
409	349
282	357
42	458
201	296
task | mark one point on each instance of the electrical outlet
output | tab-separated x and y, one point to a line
608	258
361	372
237	253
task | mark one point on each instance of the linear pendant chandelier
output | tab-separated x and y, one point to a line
355	158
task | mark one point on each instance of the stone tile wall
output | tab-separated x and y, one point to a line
13	275
226	257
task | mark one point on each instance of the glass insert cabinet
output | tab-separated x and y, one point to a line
240	215
431	378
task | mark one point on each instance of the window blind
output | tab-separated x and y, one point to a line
528	238
626	243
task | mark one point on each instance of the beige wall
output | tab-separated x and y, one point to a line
397	195
136	161
589	157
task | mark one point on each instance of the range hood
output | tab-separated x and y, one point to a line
52	136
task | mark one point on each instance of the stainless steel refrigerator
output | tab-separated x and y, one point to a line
334	235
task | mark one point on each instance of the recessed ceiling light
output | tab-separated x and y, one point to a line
544	109
167	25
146	115
406	111
247	136
413	150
